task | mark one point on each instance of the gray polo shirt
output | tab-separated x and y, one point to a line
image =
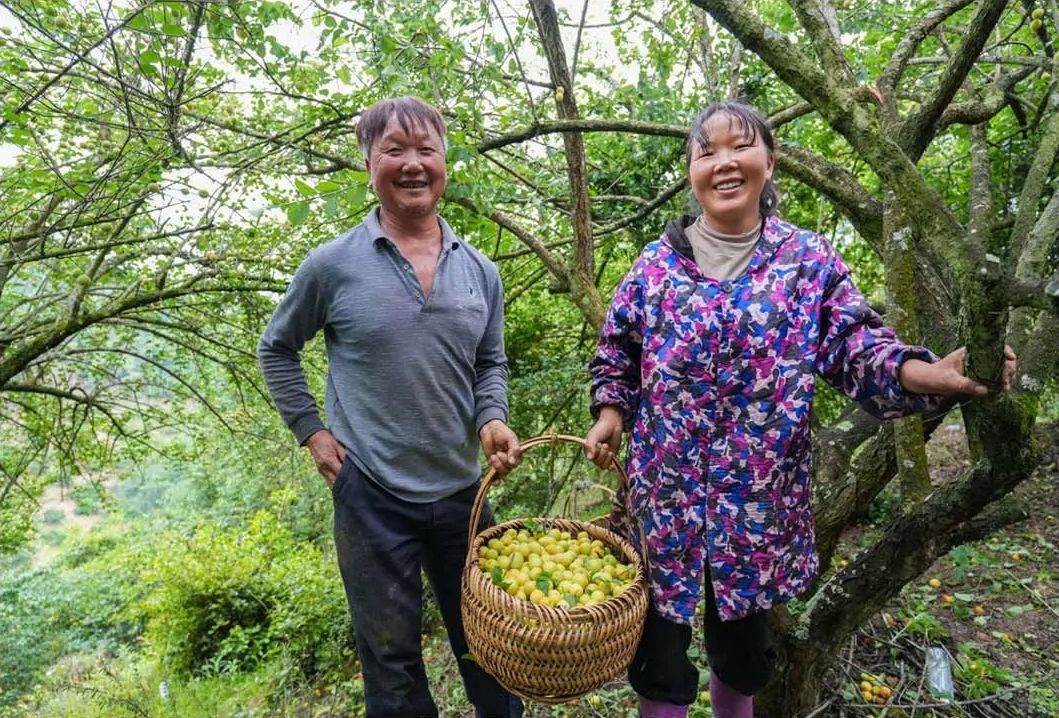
411	379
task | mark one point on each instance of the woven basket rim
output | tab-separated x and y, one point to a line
489	592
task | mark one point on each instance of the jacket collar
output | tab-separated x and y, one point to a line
773	232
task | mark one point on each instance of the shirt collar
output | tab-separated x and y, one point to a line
373	225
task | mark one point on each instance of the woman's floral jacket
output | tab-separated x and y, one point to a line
715	379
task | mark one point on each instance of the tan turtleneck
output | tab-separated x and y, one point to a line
721	256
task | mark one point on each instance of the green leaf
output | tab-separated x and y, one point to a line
328	186
344	75
570	599
1016	611
297	213
331	205
139	23
498	577
148	57
304	188
544	582
173	30
358	194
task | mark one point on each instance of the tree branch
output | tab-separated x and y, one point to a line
1035	293
998	96
664	196
839	186
550	260
77	59
787	60
910	544
1032	256
583	125
635	127
820	22
552	42
911	37
918	130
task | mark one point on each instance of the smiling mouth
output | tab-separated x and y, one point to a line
412	184
729	185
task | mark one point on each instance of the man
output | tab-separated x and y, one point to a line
413	323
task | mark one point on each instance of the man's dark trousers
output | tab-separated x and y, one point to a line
382	544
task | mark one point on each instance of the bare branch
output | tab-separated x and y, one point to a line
552	262
802	72
998	96
582	125
1033	189
1035	293
664	196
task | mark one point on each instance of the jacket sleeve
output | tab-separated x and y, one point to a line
300	314
615	369
861	356
490	361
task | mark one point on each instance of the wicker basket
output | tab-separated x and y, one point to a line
544	654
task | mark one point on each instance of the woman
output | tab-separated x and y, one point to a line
708	356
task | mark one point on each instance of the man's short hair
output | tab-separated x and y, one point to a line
411	112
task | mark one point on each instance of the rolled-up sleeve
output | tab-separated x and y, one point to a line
301	313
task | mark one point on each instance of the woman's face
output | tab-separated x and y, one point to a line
728	175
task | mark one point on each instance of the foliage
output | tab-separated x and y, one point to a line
221	601
47	613
133	686
167	166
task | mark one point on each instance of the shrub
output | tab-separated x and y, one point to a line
224	600
47	613
53	516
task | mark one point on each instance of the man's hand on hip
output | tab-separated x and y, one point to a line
328	453
500	445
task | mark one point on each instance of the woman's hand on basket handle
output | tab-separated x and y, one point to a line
500	445
604	438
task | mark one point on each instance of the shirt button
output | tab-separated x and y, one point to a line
726	286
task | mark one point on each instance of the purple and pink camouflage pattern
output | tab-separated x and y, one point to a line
715	379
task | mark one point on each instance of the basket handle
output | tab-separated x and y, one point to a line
548	439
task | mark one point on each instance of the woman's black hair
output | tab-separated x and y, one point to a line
753	126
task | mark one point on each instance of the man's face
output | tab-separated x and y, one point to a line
407	170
